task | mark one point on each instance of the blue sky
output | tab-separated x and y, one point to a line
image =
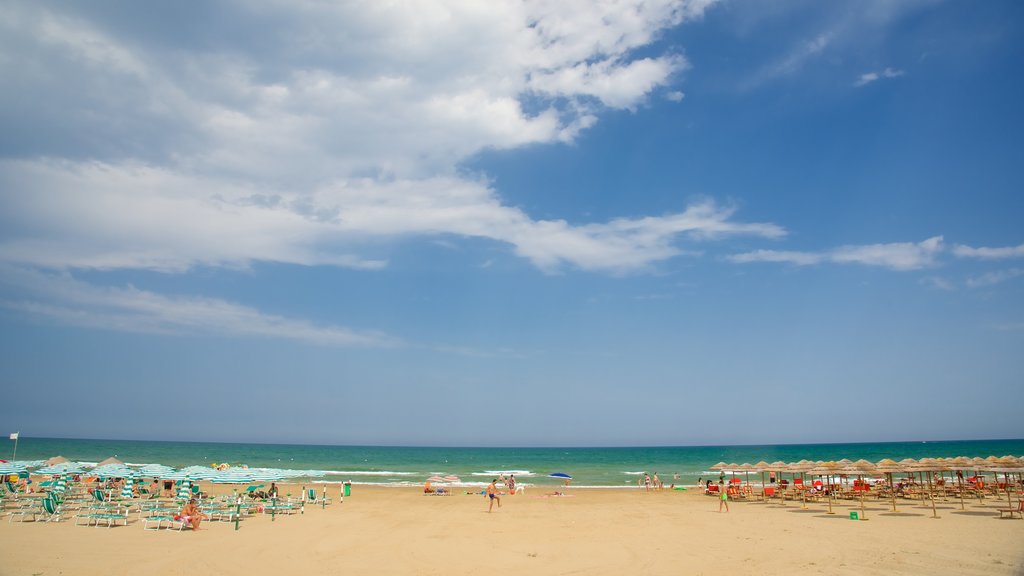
440	223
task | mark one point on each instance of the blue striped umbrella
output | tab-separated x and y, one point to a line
126	490
233	476
10	468
114	471
155	470
199	472
62	468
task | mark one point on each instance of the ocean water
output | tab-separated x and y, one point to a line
408	466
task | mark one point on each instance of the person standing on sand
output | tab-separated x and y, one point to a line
492	494
647	481
724	498
511	484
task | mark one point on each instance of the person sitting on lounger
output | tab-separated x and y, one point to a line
190	513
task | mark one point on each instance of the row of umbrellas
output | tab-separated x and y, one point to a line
113	468
1005	465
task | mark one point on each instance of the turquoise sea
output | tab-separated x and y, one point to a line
407	466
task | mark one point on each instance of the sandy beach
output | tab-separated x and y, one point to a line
587	531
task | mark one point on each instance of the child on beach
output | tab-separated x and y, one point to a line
724	497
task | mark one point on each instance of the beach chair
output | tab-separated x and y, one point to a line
53	509
312	498
26	509
1009	512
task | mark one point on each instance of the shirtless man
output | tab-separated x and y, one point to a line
190	513
492	494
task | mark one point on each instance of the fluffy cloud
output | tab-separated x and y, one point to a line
142	217
895	256
295	131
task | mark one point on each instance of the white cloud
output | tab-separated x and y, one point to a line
986	253
992	278
128	309
675	96
895	256
341	124
142	217
870	77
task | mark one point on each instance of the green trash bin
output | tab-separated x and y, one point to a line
854	516
348	488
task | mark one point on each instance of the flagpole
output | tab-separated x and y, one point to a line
15	457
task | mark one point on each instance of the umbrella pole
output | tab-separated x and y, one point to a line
1006	476
960	484
829	479
863	513
892	491
932	496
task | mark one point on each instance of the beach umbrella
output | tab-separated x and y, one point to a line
960	463
155	470
561	475
201	472
451	478
111	460
114	471
55	460
266	474
62	468
10	468
889	466
126	490
233	476
1005	465
761	467
862	467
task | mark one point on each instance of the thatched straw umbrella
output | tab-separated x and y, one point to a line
1006	465
801	468
827	469
780	467
960	463
889	466
762	467
861	468
930	465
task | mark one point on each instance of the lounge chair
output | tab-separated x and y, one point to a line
1019	511
53	508
312	498
26	509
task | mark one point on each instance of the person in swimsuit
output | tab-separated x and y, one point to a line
647	481
190	513
511	484
492	494
724	497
